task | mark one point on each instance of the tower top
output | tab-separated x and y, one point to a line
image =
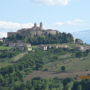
35	25
41	25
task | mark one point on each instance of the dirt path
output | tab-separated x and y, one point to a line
16	58
46	74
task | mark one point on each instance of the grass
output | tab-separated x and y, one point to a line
54	60
4	48
17	57
5	64
71	64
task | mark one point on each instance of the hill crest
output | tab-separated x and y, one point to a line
34	31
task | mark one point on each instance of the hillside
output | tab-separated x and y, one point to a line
37	35
18	69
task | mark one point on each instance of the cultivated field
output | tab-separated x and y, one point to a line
46	74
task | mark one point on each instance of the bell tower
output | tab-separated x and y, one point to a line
35	25
41	25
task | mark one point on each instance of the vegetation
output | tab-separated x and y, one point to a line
49	84
4	48
80	54
63	68
45	39
14	71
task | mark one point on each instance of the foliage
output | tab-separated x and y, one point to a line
2	48
80	54
49	84
44	39
63	68
12	76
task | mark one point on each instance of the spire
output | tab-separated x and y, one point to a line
35	25
41	25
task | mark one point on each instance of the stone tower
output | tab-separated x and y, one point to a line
41	26
35	25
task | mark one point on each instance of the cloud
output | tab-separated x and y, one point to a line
72	22
53	2
3	34
6	26
13	25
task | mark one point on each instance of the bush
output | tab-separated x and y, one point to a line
63	68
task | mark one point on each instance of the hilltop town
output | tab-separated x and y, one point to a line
34	31
45	53
44	39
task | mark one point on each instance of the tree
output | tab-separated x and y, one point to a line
1	80
79	87
63	68
79	54
78	41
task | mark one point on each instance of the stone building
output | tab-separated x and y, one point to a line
82	48
29	47
34	31
19	46
43	47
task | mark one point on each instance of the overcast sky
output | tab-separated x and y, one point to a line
64	15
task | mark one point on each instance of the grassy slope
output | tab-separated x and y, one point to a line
17	57
4	48
72	64
4	64
8	61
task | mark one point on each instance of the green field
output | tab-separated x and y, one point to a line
4	48
5	64
53	59
71	64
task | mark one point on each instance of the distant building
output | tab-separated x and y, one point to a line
41	25
1	39
12	45
62	46
9	34
43	47
19	46
82	48
34	31
29	47
78	41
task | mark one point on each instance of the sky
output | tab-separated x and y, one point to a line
63	15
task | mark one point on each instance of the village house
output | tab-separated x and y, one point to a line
44	47
12	45
19	46
62	46
82	48
86	48
29	47
78	41
1	39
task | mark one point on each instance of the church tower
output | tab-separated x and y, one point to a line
35	25
41	26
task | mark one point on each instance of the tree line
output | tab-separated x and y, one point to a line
50	84
44	39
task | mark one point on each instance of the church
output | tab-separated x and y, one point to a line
34	31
